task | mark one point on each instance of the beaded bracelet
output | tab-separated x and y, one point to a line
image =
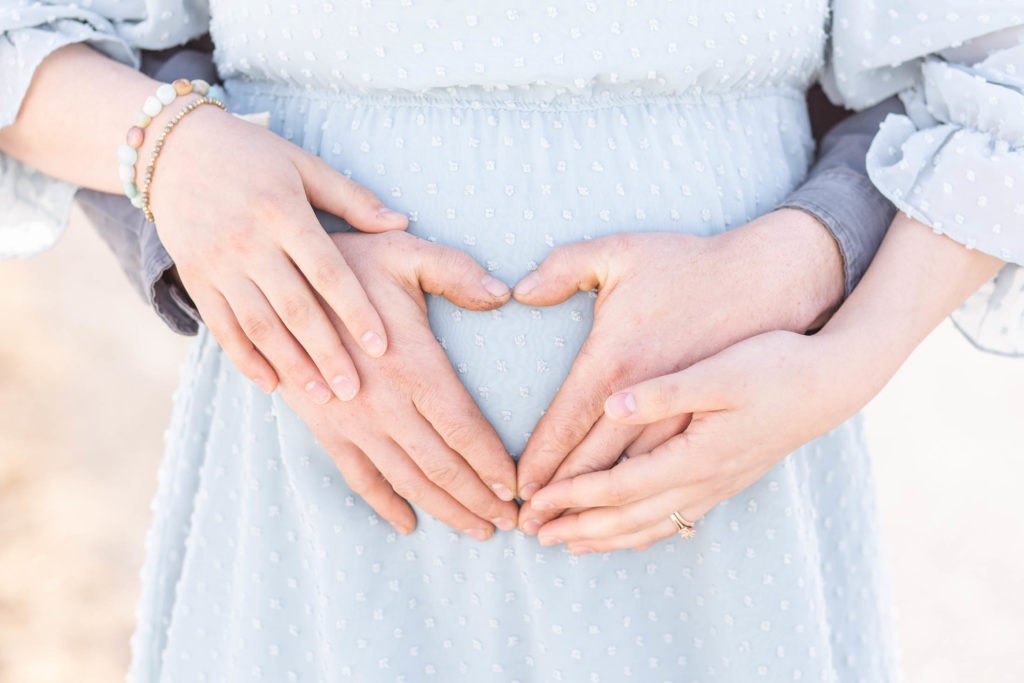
128	153
148	179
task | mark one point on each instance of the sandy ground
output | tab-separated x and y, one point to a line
85	396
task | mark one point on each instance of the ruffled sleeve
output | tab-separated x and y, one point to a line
36	206
955	161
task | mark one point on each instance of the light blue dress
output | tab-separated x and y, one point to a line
505	129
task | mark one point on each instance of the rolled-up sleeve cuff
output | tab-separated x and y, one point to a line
853	211
163	290
147	264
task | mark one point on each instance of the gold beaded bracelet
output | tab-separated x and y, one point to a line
148	179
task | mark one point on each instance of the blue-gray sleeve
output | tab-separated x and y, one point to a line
130	236
839	193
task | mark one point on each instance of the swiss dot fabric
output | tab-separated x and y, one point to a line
505	129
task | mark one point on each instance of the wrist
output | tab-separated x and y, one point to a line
797	264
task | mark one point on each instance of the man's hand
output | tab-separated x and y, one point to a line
413	432
666	301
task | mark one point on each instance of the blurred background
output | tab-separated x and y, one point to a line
86	378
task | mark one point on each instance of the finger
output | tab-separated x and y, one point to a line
332	191
366	481
445	468
316	255
630	481
406	479
703	387
218	316
638	540
409	482
454	274
571	268
598	451
444	403
605	522
654	435
304	316
267	333
567	421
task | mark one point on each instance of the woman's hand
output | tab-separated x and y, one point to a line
234	207
666	301
752	404
414	432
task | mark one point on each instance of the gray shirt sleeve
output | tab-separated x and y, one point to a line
839	193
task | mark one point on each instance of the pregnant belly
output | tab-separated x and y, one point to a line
507	183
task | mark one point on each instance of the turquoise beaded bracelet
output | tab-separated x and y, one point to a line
128	153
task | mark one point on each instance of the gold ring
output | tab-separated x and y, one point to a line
686	529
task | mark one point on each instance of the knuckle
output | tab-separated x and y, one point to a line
361	195
295	310
270	206
406	487
566	431
664	397
258	328
326	274
300	372
365	483
560	258
441	472
460	435
618	493
236	238
619	373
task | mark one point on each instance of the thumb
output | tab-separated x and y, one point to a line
571	268
454	275
702	387
332	191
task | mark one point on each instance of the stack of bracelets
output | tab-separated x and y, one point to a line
128	153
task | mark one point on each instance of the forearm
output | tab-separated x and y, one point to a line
76	114
917	279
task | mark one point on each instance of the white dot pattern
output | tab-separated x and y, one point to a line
505	129
304	580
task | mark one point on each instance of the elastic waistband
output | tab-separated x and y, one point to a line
484	100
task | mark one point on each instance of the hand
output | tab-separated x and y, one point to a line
749	403
414	432
750	409
665	301
234	207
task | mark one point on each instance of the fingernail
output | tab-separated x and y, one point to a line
388	214
541	505
495	286
550	540
503	492
504	523
528	283
581	550
318	392
531	527
263	384
374	345
344	388
478	534
528	490
620	405
404	530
